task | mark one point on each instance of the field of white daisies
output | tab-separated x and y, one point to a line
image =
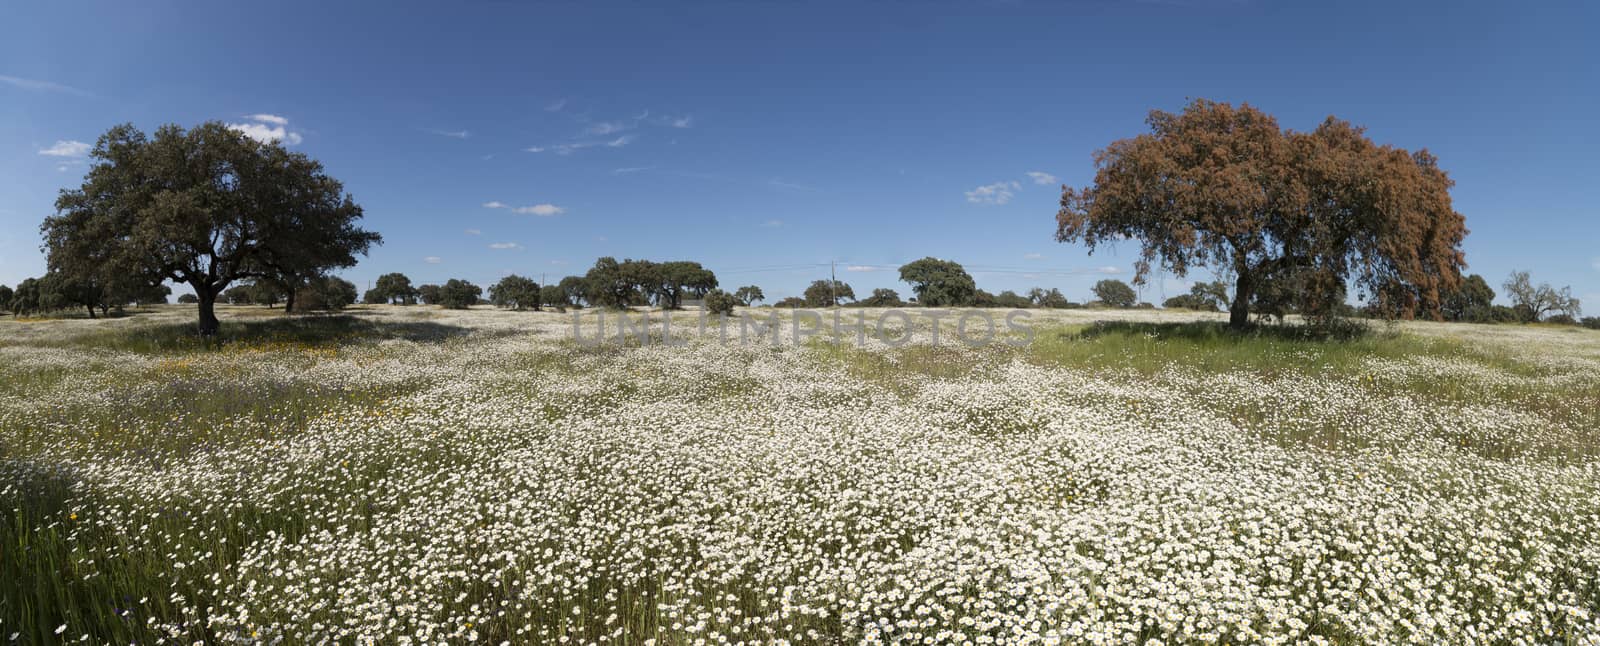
408	475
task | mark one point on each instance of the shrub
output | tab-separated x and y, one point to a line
188	299
720	303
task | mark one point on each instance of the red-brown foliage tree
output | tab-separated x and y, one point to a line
1226	188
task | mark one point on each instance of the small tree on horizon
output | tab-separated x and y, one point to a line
515	292
939	283
1532	303
1115	293
828	293
749	295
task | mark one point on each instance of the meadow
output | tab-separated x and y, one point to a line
407	475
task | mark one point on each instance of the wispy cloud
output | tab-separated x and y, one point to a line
861	268
791	186
632	169
70	148
433	260
1109	269
41	86
474	232
1041	178
606	127
569	148
505	245
556	105
996	193
683	122
1032	256
537	209
267	129
454	134
772	224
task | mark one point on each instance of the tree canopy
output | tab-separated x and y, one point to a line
828	293
882	297
1115	293
459	294
1533	303
939	283
394	288
207	207
1227	188
1472	301
515	292
749	295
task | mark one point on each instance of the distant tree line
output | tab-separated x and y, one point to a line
57	291
246	222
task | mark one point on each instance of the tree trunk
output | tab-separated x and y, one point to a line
288	307
209	326
1239	311
91	311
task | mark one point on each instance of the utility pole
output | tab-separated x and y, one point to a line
833	284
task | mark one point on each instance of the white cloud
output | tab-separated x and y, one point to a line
558	262
1032	256
267	129
543	210
41	86
454	134
474	232
1042	178
505	245
556	106
620	141
860	268
495	204
1109	269
67	149
433	260
772	224
683	122
996	193
268	118
632	169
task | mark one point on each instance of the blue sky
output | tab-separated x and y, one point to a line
770	139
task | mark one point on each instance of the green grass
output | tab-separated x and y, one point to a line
178	401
